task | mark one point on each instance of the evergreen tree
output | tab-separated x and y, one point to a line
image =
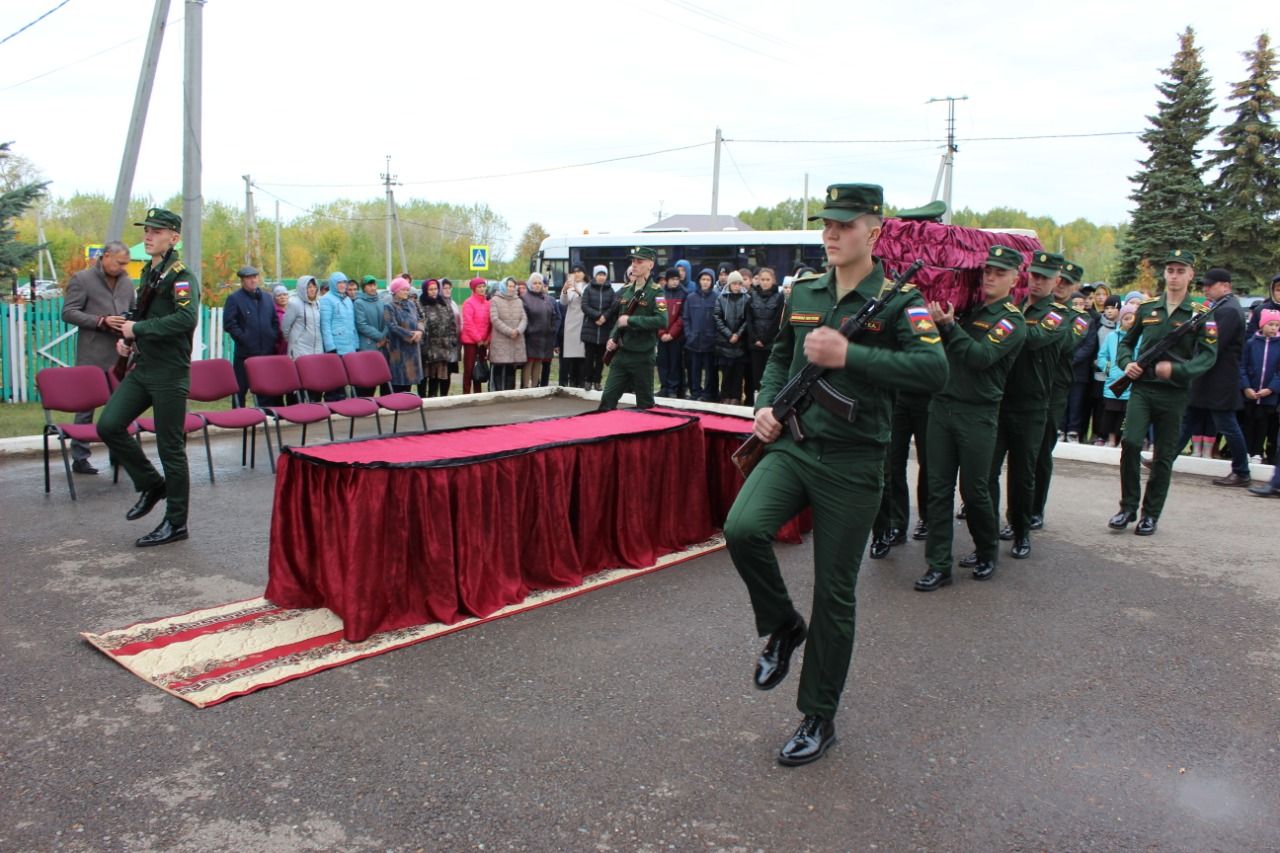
1246	193
1171	196
16	256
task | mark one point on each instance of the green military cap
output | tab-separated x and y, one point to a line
1181	256
1003	257
158	217
644	253
1072	271
369	279
846	202
1047	263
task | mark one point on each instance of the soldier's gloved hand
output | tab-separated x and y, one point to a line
767	428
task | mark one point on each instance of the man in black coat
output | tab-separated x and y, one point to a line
249	317
1216	394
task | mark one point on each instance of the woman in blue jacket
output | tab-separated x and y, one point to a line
700	337
1113	406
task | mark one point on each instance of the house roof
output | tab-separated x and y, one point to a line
698	222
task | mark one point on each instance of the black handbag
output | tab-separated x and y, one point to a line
480	371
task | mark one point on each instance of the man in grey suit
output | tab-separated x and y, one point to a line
97	300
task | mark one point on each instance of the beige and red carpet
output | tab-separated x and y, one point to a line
209	656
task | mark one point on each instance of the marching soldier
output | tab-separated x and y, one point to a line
963	416
159	341
635	336
1077	328
838	469
1159	396
1025	406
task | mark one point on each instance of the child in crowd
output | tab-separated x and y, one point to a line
1113	405
1260	382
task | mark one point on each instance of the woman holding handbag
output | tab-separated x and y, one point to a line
476	328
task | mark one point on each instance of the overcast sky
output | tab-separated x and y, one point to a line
306	95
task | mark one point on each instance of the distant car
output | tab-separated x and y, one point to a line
1247	302
46	289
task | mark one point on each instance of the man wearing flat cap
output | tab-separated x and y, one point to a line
249	317
838	467
1158	396
158	342
634	341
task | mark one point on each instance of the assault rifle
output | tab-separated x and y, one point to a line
125	362
1160	350
799	392
627	311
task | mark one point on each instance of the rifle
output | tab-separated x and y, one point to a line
125	362
798	393
627	311
1160	349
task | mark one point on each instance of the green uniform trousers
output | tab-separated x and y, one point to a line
895	504
1044	459
843	489
1019	437
167	396
1161	408
629	371
962	439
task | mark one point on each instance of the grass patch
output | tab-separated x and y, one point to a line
18	419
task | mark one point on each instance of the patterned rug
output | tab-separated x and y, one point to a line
209	656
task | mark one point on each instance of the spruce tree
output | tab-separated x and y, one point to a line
1245	196
15	256
1171	196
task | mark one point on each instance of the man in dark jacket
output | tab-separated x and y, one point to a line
764	311
249	317
700	337
1216	394
671	340
98	298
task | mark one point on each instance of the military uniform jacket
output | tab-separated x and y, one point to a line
164	334
1154	320
899	350
1063	370
981	350
1031	375
649	318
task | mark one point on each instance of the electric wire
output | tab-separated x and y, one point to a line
33	23
83	59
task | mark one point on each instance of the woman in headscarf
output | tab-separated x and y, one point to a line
572	351
540	335
439	341
404	335
506	344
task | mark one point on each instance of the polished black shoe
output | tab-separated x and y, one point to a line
896	537
1021	547
1232	479
961	513
968	561
921	532
1122	519
1146	527
83	466
879	548
932	580
984	570
163	535
1006	532
814	737
775	660
1037	522
146	502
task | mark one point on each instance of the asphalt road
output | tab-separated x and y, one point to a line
1111	693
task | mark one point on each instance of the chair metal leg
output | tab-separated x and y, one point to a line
208	454
329	423
280	438
395	422
423	413
351	431
377	420
252	434
46	463
66	463
244	440
271	455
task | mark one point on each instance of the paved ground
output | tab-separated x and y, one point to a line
1110	693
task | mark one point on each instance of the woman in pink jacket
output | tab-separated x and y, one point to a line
475	333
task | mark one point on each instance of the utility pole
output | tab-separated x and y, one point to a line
279	266
395	215
948	156
715	181
192	194
248	220
804	215
388	179
133	141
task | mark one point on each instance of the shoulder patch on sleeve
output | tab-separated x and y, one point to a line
1079	326
921	322
1001	331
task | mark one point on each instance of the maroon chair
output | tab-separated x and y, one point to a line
215	379
190	423
276	376
369	369
323	372
72	389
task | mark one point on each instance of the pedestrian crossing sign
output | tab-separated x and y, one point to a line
479	258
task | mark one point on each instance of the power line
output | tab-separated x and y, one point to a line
316	213
938	141
83	59
716	17
36	21
741	177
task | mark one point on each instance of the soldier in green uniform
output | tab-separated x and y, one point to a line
1158	396
1077	327
635	336
838	468
1025	406
160	344
963	417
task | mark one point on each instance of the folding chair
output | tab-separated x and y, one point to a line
323	372
73	389
276	376
215	379
190	423
369	369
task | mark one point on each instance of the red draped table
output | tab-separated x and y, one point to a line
436	527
